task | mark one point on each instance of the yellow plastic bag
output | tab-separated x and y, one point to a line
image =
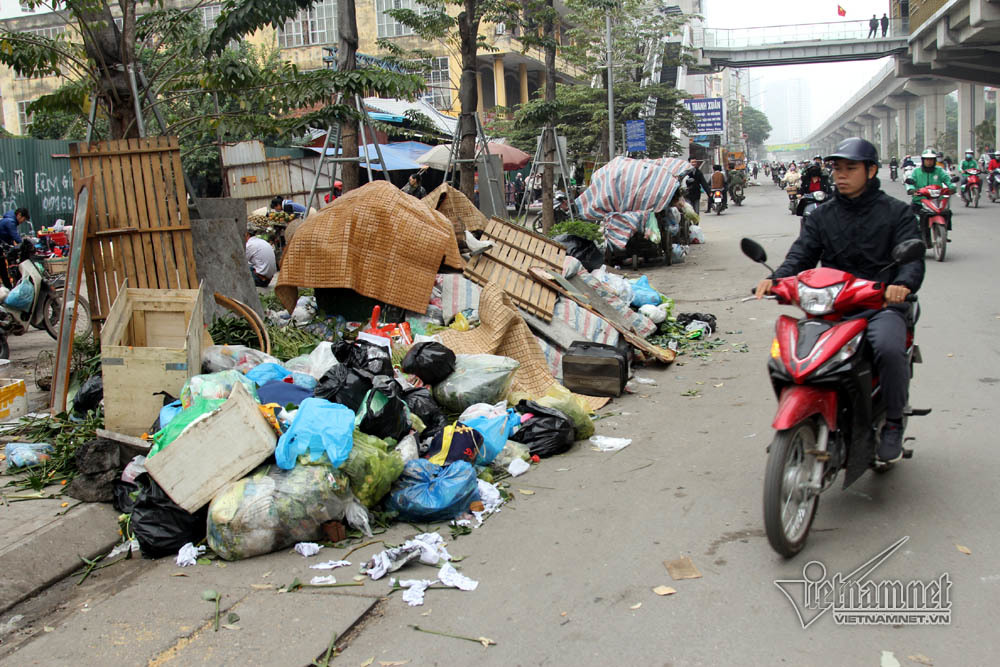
562	399
461	323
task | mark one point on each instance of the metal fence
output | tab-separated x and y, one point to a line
737	38
35	174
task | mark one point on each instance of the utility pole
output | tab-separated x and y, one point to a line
611	88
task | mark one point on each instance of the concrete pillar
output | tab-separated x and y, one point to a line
906	120
885	133
522	72
996	121
971	112
499	83
934	119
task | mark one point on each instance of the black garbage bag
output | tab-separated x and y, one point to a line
345	385
583	249
124	496
547	433
422	404
431	362
364	356
90	395
98	465
160	525
384	413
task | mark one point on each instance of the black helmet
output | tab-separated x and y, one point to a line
856	148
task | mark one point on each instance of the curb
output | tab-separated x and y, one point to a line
52	552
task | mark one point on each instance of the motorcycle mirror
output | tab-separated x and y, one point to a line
753	250
955	179
908	251
910	181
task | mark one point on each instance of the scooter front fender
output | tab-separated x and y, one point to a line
799	402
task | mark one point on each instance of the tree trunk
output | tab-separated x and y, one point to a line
548	134
112	50
347	49
468	97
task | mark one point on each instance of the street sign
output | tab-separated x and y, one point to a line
635	136
709	114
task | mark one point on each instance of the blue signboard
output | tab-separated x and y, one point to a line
635	136
709	114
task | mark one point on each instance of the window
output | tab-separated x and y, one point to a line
388	26
209	13
51	31
26	8
23	117
317	25
438	92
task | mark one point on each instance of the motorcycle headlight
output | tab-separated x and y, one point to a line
819	195
818	300
935	193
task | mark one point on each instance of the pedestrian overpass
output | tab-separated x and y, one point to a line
796	44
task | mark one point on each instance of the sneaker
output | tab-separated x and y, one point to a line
890	448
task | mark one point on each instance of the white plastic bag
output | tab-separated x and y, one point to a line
483	410
655	313
617	284
321	359
697	236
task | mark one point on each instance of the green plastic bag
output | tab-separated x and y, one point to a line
371	468
201	406
563	400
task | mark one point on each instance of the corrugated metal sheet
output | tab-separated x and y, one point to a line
245	152
256	179
35	174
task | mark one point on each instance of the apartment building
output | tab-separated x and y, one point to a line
506	76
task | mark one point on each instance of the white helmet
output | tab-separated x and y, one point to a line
968	151
928	153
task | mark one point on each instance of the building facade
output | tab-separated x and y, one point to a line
507	76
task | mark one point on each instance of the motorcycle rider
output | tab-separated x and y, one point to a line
993	165
718	183
968	163
908	162
814	179
735	177
928	174
856	232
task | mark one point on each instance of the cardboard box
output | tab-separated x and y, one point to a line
13	398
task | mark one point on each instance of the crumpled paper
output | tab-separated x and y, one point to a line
427	547
307	549
518	467
322	581
330	565
489	495
188	555
449	576
415	588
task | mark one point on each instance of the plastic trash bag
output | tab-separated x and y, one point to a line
90	395
272	509
316	363
372	468
384	414
267	372
585	250
547	433
215	385
678	253
189	415
617	284
160	525
562	399
431	362
653	229
697	236
319	427
656	314
495	431
457	442
283	393
345	385
643	293
512	450
483	410
27	454
422	404
233	357
478	378
21	296
363	355
428	492
407	448
168	412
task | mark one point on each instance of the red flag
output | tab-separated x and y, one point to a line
841	11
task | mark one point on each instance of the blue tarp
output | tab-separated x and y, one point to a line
398	156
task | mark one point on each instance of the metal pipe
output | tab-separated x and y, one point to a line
611	88
136	101
319	169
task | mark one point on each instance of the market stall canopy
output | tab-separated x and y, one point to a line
512	158
398	156
443	123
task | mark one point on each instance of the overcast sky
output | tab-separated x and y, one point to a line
832	84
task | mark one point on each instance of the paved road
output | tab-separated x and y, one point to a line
566	572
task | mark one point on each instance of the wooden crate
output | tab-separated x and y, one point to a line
213	452
151	342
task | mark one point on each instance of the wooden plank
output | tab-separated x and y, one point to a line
133	246
135	187
157	208
190	273
136	230
112	255
171	248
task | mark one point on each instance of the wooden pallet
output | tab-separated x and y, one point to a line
515	251
139	228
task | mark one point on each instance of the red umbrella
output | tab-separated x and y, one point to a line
513	158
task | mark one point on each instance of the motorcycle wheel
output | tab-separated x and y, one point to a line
4	347
940	241
788	509
53	310
976	200
536	224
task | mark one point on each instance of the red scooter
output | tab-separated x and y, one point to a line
830	404
972	188
935	216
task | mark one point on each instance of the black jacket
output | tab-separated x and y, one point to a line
857	236
694	190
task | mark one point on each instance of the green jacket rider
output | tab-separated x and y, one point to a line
928	173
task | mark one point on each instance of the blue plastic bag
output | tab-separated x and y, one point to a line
495	431
319	427
168	412
268	372
304	380
428	492
21	296
27	454
643	293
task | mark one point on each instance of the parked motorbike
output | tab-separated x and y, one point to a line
830	405
971	189
935	217
893	172
717	201
994	182
46	307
